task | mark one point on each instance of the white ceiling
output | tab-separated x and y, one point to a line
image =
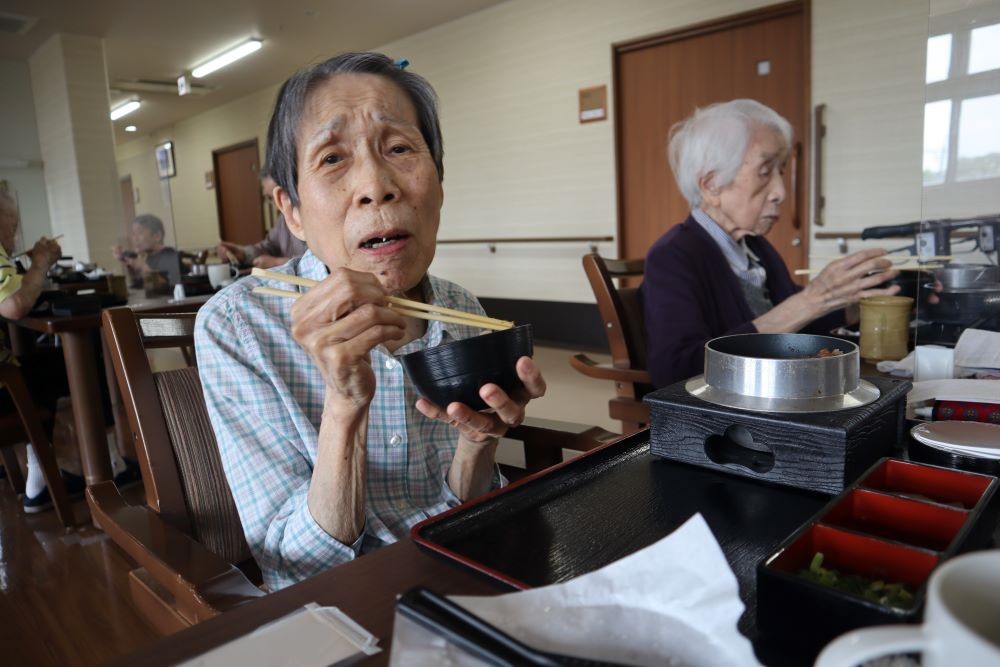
157	40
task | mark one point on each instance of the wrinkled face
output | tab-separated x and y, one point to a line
143	240
750	205
369	194
8	228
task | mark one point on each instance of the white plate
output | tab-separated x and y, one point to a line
969	438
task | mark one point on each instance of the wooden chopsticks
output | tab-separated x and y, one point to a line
901	267
25	252
895	258
405	307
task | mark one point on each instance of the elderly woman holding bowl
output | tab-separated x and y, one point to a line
715	274
327	448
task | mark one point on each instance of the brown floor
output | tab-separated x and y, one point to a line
63	595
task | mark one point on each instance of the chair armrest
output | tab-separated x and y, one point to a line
554	434
202	583
591	368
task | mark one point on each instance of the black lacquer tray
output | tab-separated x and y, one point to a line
609	503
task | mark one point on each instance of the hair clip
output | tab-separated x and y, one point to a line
401	63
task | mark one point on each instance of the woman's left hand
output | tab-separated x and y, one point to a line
507	411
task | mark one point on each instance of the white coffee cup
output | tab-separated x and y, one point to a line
932	362
961	621
220	274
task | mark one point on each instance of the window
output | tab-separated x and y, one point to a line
984	53
962	104
978	139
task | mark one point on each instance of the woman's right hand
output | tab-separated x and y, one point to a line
45	252
338	322
841	284
844	282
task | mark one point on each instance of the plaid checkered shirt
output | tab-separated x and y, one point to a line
265	400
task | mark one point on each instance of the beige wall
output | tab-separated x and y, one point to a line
70	92
20	151
518	163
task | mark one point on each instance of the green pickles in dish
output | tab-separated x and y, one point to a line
879	591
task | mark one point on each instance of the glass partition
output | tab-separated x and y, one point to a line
957	238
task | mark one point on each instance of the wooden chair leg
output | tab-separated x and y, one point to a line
44	452
13	469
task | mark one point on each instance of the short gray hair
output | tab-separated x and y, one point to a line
152	223
714	140
281	161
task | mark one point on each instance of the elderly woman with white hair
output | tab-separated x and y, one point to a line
715	274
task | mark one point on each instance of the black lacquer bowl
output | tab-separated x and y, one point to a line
456	371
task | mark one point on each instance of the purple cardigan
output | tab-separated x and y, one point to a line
690	295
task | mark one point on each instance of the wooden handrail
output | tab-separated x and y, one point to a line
535	239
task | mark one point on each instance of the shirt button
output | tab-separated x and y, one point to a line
390	364
395	440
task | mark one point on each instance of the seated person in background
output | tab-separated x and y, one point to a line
715	274
326	447
44	369
279	246
148	254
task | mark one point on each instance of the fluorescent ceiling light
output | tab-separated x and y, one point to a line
130	128
124	109
230	56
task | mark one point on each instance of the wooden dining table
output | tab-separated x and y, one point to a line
79	336
365	589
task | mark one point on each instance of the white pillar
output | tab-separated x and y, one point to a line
69	81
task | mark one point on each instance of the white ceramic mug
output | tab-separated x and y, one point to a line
961	621
932	362
221	274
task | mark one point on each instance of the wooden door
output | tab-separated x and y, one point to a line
661	80
237	193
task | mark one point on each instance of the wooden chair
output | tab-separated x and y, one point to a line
25	425
193	559
621	313
188	541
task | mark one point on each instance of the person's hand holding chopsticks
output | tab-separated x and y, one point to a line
337	323
45	252
841	284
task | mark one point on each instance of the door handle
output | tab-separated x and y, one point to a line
796	198
819	133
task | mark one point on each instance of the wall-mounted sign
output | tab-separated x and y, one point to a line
593	104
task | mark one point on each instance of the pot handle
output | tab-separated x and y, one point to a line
860	646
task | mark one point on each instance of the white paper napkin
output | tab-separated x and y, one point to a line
312	636
977	348
674	603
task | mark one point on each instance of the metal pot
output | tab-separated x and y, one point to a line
965	305
782	373
966	276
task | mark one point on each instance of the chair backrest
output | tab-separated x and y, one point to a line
621	313
620	308
174	441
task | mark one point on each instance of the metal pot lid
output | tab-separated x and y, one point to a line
864	394
959	276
